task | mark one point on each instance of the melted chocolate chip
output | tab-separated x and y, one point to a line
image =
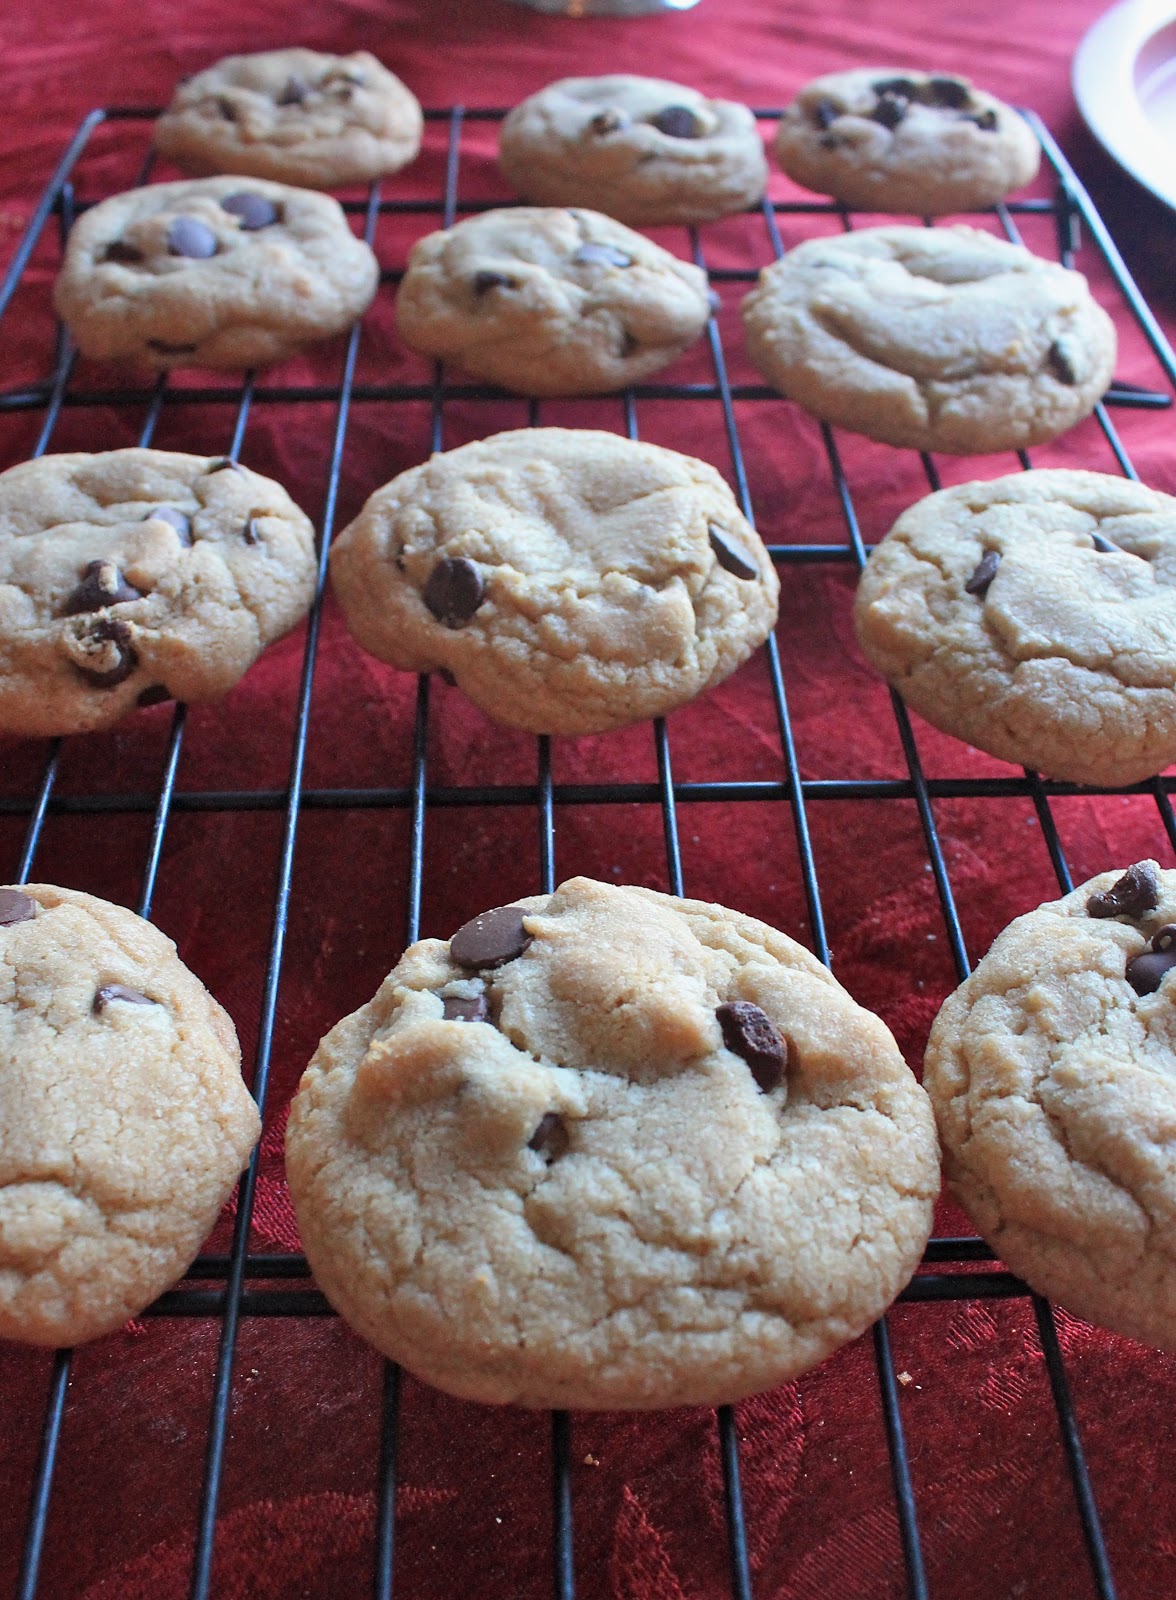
728	554
825	113
890	110
226	108
188	236
904	88
295	91
102	585
832	141
475	1010
550	1138
221	464
119	991
175	519
110	631
750	1033
484	281
980	580
252	211
16	907
678	122
454	591
1062	362
447	677
984	120
608	121
949	92
154	695
119	250
605	255
490	940
1104	545
1146	972
1137	891
629	345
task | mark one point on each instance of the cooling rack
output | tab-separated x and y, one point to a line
241	1283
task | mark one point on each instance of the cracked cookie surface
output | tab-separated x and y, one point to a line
666	1161
134	576
1054	1084
884	139
1035	617
212	272
643	150
932	338
546	301
297	116
123	1118
571	581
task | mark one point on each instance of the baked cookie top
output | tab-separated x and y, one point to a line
932	338
569	580
1034	616
216	272
643	150
1053	1074
298	116
550	301
123	1118
139	575
884	139
606	1148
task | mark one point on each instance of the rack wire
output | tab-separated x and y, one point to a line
218	1285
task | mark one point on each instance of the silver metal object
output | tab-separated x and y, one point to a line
606	8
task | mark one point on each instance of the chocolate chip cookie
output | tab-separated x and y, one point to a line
932	338
297	116
550	301
570	581
1053	1074
606	1148
1034	616
139	575
219	272
123	1118
881	139
642	150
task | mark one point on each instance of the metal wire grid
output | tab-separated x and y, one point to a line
1069	207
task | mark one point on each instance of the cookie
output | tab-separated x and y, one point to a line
569	581
550	301
642	150
883	139
607	1148
139	575
1053	1074
932	338
123	1118
219	272
297	116
1034	616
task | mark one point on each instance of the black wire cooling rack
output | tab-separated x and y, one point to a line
228	1299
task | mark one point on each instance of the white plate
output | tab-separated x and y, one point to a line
1124	79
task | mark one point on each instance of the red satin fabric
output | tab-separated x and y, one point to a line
297	1509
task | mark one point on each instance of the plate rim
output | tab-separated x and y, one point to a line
1103	80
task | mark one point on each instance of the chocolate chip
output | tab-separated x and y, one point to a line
550	1138
454	591
832	141
175	519
608	121
253	211
123	657
475	1010
890	110
949	92
750	1033
984	120
102	585
825	113
188	236
447	677
490	940
120	250
985	571
728	554
1104	545
154	695
226	108
1137	891
493	280
1146	972
904	88
119	991
221	464
1164	938
1062	362
678	122
605	255
295	92
166	349
629	345
16	907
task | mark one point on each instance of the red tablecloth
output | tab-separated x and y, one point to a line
297	1510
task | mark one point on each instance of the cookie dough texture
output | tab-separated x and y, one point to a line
1066	662
594	591
932	338
123	1125
173	276
1054	1087
297	116
139	575
550	301
679	1236
642	150
883	139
